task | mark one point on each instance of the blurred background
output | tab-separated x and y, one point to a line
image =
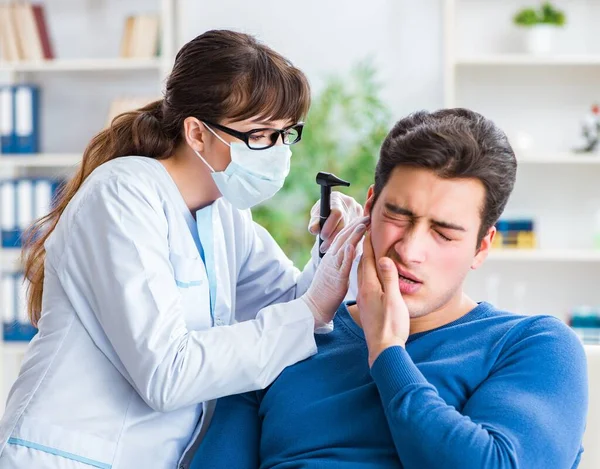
68	66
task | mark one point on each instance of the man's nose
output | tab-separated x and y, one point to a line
411	247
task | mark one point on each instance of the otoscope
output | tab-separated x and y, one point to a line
327	181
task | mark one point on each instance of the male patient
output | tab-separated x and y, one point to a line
416	374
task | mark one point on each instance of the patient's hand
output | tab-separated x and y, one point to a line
383	313
344	209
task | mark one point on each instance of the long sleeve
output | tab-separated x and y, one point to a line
267	276
117	274
529	413
233	437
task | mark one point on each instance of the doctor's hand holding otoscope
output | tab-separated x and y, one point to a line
330	284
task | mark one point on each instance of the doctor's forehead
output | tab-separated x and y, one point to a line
260	122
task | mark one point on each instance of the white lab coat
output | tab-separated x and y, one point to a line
125	354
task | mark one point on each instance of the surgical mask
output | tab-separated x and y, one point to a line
253	176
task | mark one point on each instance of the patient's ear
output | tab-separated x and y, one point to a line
484	248
369	202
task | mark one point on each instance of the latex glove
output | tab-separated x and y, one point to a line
344	209
330	283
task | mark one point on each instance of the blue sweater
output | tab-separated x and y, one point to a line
490	390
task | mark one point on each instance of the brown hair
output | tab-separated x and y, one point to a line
218	75
455	143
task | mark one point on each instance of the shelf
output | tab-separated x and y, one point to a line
39	160
82	65
551	255
14	347
9	257
558	158
524	59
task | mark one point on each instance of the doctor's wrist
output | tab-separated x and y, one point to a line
315	310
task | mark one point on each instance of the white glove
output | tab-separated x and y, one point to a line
344	209
330	283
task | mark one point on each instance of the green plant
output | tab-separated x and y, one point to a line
345	127
545	14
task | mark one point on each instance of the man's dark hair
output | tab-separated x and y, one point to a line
454	143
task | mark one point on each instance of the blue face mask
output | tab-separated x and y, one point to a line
253	176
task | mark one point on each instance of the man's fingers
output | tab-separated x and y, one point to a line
369	270
389	277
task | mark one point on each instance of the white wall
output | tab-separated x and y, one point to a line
328	36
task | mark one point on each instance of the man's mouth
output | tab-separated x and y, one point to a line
408	277
407	280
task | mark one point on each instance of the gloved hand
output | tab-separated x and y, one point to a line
344	209
330	283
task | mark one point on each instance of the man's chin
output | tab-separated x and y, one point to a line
416	309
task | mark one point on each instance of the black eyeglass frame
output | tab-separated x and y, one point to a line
245	136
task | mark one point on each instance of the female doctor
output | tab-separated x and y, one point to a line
152	289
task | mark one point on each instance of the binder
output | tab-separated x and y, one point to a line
21	309
26	118
43	195
25	205
9	231
8	306
16	325
7	120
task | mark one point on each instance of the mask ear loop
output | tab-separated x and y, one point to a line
198	153
203	160
216	135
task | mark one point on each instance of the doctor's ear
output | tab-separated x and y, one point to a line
195	133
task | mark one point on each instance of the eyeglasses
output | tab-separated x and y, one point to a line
261	139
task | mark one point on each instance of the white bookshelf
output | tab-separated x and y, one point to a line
83	65
565	158
66	73
544	255
544	97
39	160
9	257
528	60
17	349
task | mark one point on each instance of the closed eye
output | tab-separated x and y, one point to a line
397	218
445	238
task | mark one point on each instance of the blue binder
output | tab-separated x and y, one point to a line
7	120
15	324
10	232
26	99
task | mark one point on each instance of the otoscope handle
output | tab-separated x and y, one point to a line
325	211
326	181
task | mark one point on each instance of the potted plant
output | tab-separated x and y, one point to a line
540	24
